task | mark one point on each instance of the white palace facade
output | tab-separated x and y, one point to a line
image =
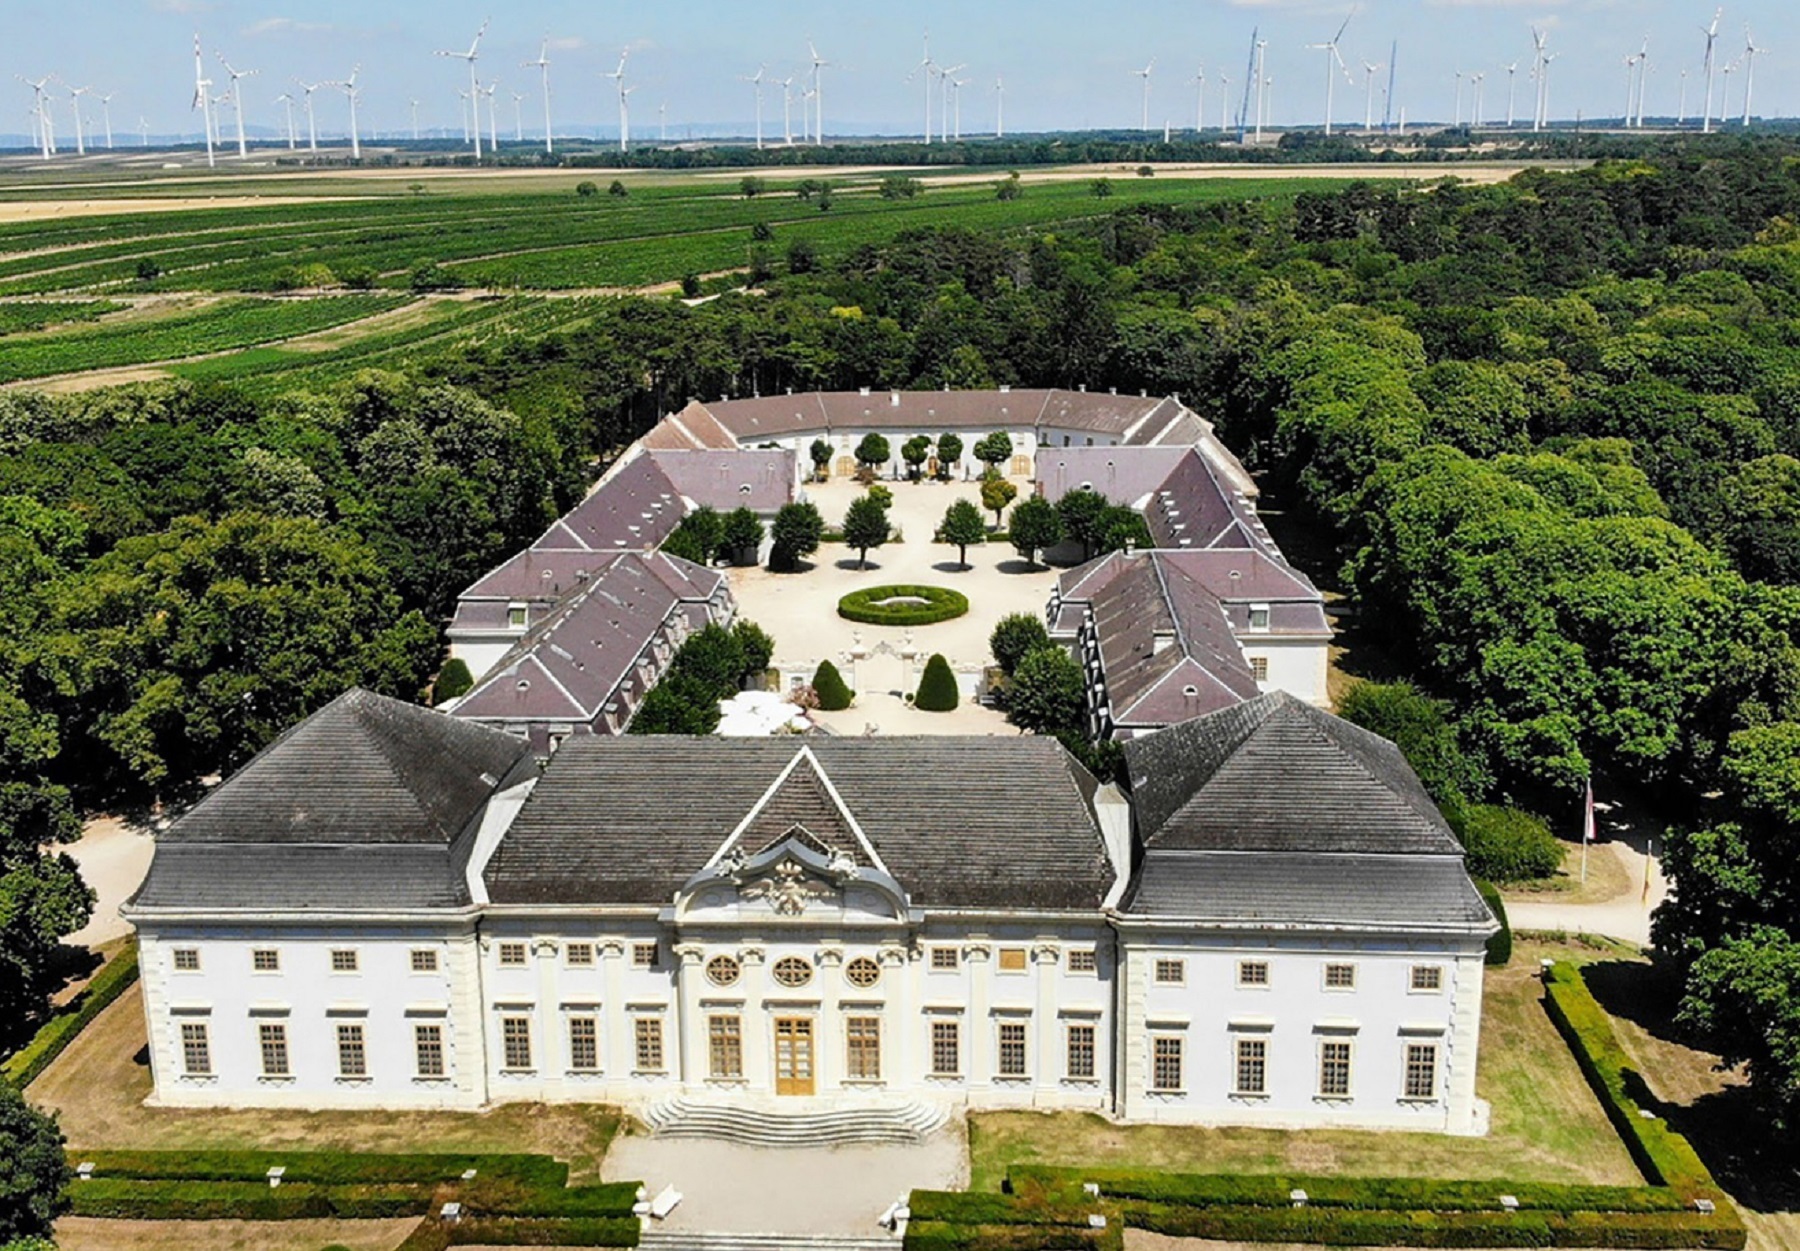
393	908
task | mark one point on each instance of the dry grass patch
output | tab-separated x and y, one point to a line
80	1233
98	1086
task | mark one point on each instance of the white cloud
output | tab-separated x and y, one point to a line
287	26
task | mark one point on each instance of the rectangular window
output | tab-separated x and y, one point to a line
1012	959
1083	960
196	1049
1259	668
863	1038
649	1044
512	954
725	1046
1428	977
273	1040
265	960
1252	1066
945	959
1165	1063
187	960
1259	616
946	1048
353	1057
1334	1070
428	1049
1421	1070
515	1041
1253	973
581	955
643	955
1081	1051
1171	972
1340	977
515	616
424	960
1012	1049
584	1044
343	960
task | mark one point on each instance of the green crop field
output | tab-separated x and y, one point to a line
220	263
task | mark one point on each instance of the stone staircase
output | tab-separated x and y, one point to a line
823	1125
668	1240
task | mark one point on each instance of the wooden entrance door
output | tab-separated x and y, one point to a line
793	1055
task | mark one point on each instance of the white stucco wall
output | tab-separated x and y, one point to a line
1297	666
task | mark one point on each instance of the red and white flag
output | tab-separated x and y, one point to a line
1587	818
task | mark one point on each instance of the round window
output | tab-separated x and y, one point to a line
862	972
721	970
792	971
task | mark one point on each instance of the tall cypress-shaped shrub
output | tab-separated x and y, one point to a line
828	684
937	688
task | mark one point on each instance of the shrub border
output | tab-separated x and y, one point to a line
28	1063
942	604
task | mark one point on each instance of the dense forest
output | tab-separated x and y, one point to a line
1547	434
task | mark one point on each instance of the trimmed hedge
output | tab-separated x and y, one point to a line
1340	1227
941	604
940	1236
237	1200
1499	947
434	1235
24	1066
1362	1193
828	684
609	1199
937	687
331	1168
1666	1157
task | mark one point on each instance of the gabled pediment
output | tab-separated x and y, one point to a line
792	877
801	805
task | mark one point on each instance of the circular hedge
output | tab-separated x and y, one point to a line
903	605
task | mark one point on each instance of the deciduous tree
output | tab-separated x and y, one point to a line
1035	527
963	526
797	531
866	525
1016	636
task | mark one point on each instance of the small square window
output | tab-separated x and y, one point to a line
515	616
1427	977
581	955
1171	972
1259	616
1082	960
343	960
945	959
512	954
187	959
1253	973
1259	667
1340	977
1012	959
644	955
265	960
424	960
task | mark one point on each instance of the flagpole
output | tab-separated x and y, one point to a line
1587	827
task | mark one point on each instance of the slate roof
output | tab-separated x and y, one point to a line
1124	475
760	479
1283	888
628	820
368	804
1237	577
634	506
1199	506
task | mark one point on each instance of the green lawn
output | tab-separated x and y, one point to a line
1547	1125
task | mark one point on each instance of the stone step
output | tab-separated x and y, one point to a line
671	1240
901	1122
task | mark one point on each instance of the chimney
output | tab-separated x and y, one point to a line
1005	387
1161	641
893	399
863	390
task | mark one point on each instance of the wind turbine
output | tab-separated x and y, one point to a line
662	123
1478	79
542	64
1712	36
946	86
143	131
312	131
1145	75
1538	64
518	116
106	112
1370	68
349	88
474	85
202	100
493	122
1643	76
1544	86
618	76
46	141
926	68
787	110
1750	54
75	94
1262	50
1199	81
756	81
1630	89
1457	117
1681	116
957	84
1333	63
1512	82
286	98
462	111
413	105
999	108
237	101
819	63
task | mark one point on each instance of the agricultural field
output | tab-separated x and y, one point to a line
305	289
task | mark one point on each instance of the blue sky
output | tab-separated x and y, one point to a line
1066	63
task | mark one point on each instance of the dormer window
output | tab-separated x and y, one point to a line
1259	616
515	616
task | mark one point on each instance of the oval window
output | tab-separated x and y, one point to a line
792	971
721	970
862	972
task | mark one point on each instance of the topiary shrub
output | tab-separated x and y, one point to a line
937	689
453	680
902	605
1508	845
829	686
